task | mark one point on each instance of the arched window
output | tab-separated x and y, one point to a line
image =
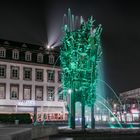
15	54
2	52
51	59
40	58
28	56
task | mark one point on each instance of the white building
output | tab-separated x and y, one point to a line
29	78
131	94
131	105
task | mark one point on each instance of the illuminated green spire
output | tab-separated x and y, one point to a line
80	54
79	57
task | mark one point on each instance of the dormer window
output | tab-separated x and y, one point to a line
15	54
40	58
6	43
51	59
28	56
2	52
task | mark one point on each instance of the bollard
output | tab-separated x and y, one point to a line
16	122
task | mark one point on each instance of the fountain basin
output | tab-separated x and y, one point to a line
98	134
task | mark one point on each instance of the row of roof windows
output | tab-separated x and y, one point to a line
13	43
28	55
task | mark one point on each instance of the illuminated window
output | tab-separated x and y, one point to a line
15	54
51	59
50	75
2	90
2	71
14	92
28	56
27	73
2	52
14	72
40	58
39	93
39	75
50	94
27	92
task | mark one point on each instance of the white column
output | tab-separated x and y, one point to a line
64	111
45	93
21	91
21	72
8	71
8	91
45	75
33	85
45	84
55	93
41	111
8	82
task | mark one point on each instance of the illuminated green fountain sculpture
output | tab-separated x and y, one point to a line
80	54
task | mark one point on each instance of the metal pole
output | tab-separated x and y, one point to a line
83	115
35	115
92	117
72	111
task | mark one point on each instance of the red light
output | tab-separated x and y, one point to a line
134	111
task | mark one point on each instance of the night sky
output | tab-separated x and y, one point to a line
29	22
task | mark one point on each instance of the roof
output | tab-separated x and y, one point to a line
135	93
16	44
23	45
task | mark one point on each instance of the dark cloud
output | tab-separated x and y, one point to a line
27	21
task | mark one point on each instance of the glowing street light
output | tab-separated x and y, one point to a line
48	46
69	91
52	47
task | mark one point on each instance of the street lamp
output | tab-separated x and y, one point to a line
48	46
69	91
71	108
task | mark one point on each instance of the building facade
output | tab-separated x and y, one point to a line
131	94
30	77
129	109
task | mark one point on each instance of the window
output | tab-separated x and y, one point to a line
39	93
28	56
59	76
2	71
39	75
15	54
2	52
2	90
14	92
51	59
60	94
27	73
50	94
6	43
40	58
51	76
14	72
27	92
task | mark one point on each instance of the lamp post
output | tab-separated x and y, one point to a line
92	116
71	109
83	112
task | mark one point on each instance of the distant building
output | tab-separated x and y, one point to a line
131	105
131	96
30	76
